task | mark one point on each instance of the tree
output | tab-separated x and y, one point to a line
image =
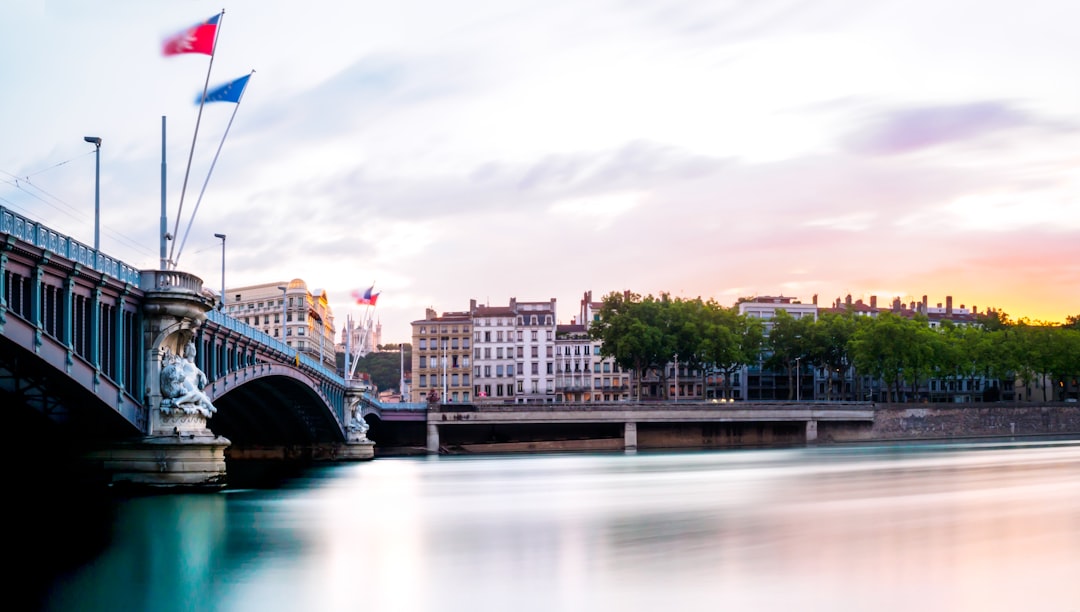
730	341
384	368
829	349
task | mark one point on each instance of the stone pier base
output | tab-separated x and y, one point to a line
192	461
356	451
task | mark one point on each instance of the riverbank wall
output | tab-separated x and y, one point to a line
946	421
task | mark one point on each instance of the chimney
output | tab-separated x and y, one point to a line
948	304
974	309
913	305
873	302
815	299
896	304
847	300
472	306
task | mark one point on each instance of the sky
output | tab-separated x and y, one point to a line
538	149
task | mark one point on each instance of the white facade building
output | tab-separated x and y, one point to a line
289	312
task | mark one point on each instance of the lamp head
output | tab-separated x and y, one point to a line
93	140
222	236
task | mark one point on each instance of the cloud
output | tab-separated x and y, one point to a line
915	129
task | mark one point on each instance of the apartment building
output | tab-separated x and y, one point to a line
442	357
534	351
495	352
290	312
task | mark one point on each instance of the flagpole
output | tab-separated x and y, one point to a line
195	135
348	345
164	238
211	170
356	359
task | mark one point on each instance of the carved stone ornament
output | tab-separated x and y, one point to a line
357	426
182	384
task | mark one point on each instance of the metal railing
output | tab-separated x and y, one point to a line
231	324
43	237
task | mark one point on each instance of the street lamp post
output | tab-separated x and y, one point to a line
798	380
221	306
322	338
96	141
676	377
284	310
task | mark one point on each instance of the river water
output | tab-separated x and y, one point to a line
978	526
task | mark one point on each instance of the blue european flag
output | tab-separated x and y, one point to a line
229	92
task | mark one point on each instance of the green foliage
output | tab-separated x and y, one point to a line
384	368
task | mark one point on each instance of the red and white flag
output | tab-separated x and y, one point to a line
199	38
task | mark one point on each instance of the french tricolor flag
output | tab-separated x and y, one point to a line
366	297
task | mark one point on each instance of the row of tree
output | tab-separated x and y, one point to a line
898	353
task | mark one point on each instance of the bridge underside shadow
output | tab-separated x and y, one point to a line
48	406
274	411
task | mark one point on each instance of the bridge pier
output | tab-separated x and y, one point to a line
432	439
811	431
630	436
179	450
163	462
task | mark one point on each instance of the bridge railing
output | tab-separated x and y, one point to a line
411	406
42	237
231	324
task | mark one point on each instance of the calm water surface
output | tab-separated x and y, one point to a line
990	526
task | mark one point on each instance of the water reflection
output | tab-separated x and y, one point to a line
948	527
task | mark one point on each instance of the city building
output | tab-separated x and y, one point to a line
759	382
494	352
441	357
289	312
535	351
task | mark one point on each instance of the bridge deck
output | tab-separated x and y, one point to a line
653	412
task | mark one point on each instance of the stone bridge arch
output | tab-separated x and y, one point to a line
273	404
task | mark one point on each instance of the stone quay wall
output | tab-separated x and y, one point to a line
941	421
